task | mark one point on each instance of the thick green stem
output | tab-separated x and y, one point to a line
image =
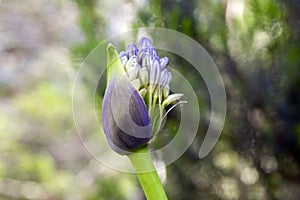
147	175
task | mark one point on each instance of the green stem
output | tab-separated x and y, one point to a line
147	175
150	101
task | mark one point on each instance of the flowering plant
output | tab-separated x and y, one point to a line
133	107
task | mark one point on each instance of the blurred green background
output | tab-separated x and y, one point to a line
256	46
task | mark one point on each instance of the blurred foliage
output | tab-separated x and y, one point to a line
112	188
256	46
254	53
91	22
108	189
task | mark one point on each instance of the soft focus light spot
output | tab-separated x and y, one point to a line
10	188
229	189
261	40
120	16
234	10
140	3
249	176
128	188
224	160
32	190
89	174
268	164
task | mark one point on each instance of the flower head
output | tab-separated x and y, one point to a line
148	73
137	93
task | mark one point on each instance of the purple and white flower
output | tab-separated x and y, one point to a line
138	91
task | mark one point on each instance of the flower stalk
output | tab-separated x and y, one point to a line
149	181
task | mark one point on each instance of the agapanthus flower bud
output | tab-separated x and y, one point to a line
155	71
163	77
133	71
164	62
137	81
132	50
145	43
144	76
166	91
146	60
118	119
131	62
173	98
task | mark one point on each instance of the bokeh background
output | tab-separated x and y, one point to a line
256	46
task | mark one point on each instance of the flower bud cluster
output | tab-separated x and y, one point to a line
148	73
137	93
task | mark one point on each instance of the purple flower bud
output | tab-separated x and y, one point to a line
122	54
164	62
145	43
166	89
152	52
146	61
124	57
127	127
132	50
155	71
163	77
169	78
